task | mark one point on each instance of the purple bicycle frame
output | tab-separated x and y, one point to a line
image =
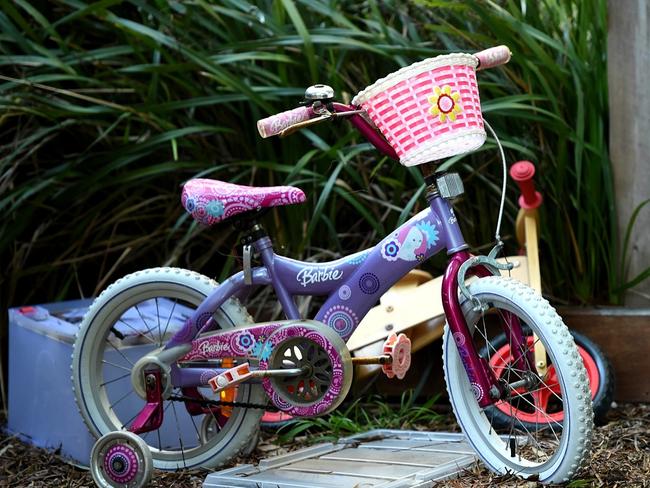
353	285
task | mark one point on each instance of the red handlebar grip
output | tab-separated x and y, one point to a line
492	57
522	172
275	124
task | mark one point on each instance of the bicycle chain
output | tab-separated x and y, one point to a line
220	403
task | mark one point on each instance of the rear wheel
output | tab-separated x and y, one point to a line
133	317
552	454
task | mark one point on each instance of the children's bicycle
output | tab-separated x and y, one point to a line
170	371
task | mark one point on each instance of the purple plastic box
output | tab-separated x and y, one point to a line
42	408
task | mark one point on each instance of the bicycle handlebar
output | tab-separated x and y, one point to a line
494	56
522	172
367	130
275	124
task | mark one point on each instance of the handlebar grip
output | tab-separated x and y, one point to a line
275	124
522	172
492	57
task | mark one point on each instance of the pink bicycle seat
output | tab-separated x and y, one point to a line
211	201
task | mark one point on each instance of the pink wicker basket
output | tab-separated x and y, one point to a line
429	110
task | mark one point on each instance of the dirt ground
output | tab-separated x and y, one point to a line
620	458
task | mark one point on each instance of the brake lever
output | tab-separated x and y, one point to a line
306	123
322	118
348	113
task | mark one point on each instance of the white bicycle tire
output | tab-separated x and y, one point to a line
243	423
575	438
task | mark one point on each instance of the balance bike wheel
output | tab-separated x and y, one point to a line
121	459
599	373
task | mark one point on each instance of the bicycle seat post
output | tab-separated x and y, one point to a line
248	224
429	169
429	173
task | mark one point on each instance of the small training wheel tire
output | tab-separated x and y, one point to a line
121	459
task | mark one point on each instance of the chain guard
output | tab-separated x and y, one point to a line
324	352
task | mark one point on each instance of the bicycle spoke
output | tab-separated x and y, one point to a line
128	422
554	383
180	437
121	353
149	329
104	361
198	434
144	435
540	399
171	314
137	332
126	395
115	379
546	416
160	340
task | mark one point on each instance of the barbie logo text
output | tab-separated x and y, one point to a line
308	276
208	348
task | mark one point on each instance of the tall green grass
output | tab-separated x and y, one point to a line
107	107
362	415
555	106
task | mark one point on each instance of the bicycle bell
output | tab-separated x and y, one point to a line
319	93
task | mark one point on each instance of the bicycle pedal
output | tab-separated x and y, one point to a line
231	377
398	347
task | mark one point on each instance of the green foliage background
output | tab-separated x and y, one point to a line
107	107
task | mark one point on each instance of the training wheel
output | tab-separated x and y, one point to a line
121	460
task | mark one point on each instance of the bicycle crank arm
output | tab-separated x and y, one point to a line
385	359
242	372
267	373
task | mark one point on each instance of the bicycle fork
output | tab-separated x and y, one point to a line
485	386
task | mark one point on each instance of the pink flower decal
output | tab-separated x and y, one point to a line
445	103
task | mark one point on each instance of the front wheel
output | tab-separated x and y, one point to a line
136	315
552	454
